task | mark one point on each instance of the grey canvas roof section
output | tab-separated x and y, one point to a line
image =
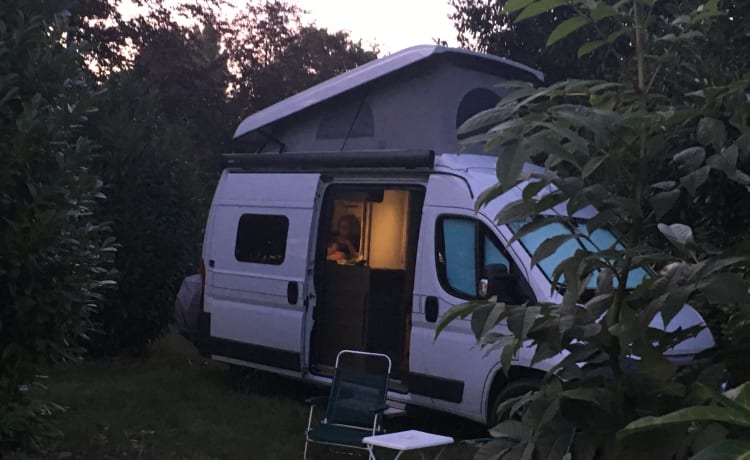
365	74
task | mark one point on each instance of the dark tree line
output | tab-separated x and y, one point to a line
111	132
485	26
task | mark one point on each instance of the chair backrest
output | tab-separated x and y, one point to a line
360	383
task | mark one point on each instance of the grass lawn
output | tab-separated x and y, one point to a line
174	404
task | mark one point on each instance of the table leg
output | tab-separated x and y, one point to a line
437	457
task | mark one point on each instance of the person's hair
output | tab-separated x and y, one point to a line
353	223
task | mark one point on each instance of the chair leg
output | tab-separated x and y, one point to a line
309	424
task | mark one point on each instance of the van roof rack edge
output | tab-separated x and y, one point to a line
300	161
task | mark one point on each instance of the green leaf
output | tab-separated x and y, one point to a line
611	38
539	7
727	449
535	225
489	194
687	415
724	288
670	277
522	319
726	161
690	158
743	143
678	234
672	38
717	264
664	185
458	311
515	5
580	144
741	178
740	395
517	210
593	120
603	11
592	165
506	357
695	179
511	429
597	396
711	132
532	188
508	125
485	118
549	201
681	19
510	163
518	93
599	304
495	449
549	142
663	202
590	47
496	314
566	28
549	246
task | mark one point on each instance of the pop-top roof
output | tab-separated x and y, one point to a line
370	72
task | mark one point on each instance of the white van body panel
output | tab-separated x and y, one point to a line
248	301
454	355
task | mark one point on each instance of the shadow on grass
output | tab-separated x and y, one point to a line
175	404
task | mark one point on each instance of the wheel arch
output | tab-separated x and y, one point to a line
497	380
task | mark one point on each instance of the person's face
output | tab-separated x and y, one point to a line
345	229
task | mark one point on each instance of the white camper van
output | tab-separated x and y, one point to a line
308	252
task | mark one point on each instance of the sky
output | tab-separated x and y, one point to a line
392	24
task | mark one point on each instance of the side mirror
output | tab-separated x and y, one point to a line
496	280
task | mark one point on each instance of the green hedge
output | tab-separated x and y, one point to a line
54	255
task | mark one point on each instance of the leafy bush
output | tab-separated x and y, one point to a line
155	207
54	255
653	153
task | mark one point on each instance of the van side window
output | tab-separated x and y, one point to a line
465	247
261	239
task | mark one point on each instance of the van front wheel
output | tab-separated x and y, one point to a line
513	389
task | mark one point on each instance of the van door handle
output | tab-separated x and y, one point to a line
431	309
292	293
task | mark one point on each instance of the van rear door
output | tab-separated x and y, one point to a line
257	249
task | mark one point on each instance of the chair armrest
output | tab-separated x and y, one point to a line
379	409
317	401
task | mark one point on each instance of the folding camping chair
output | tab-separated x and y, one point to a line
355	405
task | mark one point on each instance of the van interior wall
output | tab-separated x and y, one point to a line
388	231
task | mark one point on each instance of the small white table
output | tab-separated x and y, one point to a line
403	441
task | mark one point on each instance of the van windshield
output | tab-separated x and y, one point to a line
599	240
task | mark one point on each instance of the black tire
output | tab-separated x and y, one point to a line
512	389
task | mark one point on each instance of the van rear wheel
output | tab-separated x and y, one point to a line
513	389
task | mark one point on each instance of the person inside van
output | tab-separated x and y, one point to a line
344	245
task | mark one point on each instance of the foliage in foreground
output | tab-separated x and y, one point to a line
54	255
653	152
